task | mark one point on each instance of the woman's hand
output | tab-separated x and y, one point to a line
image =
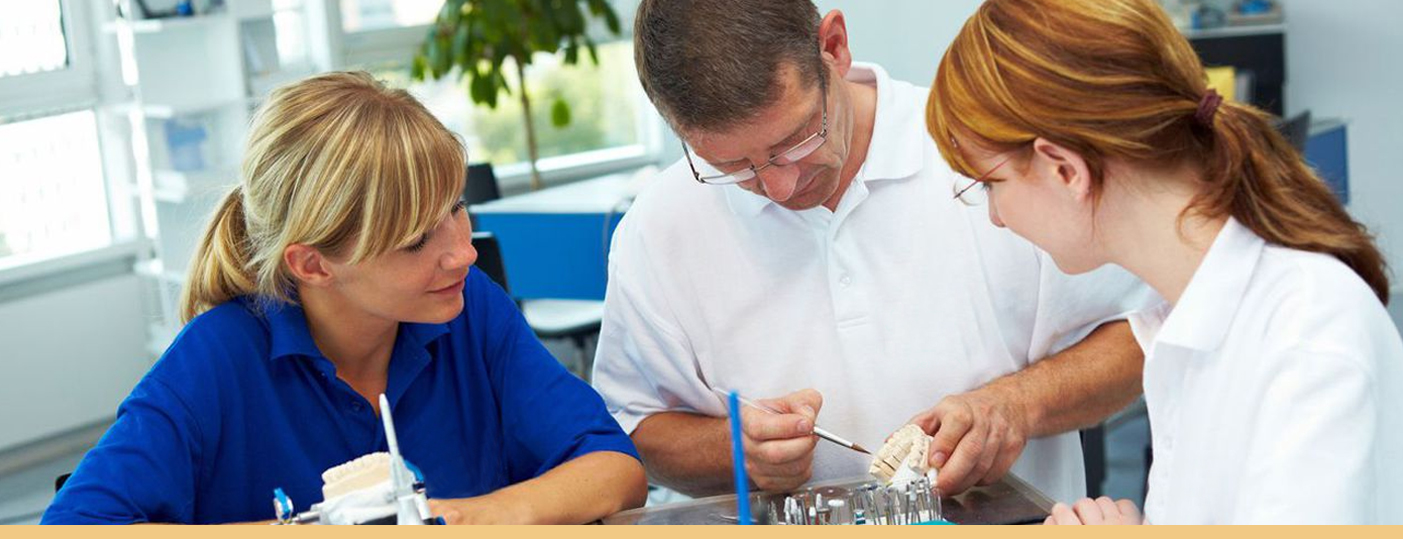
488	509
1093	512
582	490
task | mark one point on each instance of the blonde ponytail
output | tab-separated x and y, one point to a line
219	269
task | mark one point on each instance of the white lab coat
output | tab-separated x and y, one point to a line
898	298
1275	392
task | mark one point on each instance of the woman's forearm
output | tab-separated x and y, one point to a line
580	491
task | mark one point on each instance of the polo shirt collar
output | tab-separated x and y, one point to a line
893	153
291	337
410	356
1204	314
899	140
288	332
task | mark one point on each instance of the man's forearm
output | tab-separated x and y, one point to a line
1080	386
685	452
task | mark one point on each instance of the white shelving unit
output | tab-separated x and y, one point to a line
193	83
1236	31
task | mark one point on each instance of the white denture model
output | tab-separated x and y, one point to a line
377	488
369	471
358	492
903	458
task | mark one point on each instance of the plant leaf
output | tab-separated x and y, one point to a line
477	37
462	46
440	55
572	51
449	14
611	20
593	50
560	113
475	87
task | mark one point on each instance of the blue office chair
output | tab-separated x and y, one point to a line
1296	130
575	320
489	258
481	184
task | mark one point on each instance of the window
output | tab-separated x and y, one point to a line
53	194
612	127
362	15
31	38
290	27
603	101
52	197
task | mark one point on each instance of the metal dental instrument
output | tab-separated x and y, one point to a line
866	504
818	431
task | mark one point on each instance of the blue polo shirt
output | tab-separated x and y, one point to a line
243	402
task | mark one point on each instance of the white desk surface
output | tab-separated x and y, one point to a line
605	194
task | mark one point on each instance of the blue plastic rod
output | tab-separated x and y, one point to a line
738	460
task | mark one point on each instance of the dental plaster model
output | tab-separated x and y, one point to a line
903	457
365	472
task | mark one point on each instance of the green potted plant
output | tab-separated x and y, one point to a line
476	38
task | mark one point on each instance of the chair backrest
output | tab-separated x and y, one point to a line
481	184
489	258
1296	130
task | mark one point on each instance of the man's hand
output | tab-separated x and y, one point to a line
779	448
978	436
1093	512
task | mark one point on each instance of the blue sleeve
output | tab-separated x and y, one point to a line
143	469
549	415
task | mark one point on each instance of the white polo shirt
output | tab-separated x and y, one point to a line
1275	391
898	298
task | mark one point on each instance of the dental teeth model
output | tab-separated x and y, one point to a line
368	471
378	488
903	457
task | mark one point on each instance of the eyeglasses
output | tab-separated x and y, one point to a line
788	157
977	191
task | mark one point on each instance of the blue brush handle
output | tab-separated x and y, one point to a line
738	461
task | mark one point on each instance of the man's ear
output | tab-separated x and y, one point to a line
1065	166
833	42
307	265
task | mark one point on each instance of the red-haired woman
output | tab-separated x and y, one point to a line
1273	375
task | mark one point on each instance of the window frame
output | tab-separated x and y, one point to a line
34	96
398	45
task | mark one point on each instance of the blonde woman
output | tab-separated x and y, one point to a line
1273	375
340	269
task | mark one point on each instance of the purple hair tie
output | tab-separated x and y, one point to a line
1208	107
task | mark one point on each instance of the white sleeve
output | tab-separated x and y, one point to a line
1070	307
1312	455
644	364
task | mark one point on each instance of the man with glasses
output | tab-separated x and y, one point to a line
808	251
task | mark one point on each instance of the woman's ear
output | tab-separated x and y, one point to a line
1065	166
308	265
